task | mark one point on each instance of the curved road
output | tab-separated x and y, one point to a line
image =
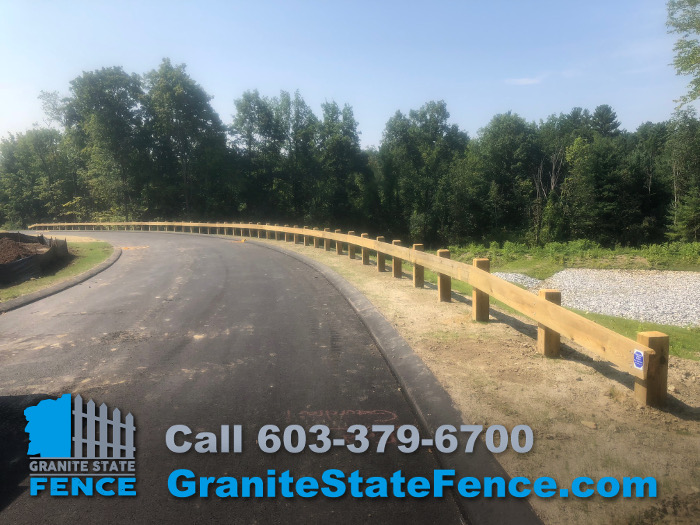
204	332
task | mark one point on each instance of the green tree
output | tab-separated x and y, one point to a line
258	135
604	121
553	137
302	165
684	20
686	225
578	197
510	156
103	114
684	151
415	160
192	175
35	177
339	157
466	199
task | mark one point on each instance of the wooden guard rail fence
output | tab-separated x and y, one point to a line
646	358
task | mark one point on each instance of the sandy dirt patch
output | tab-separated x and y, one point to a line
71	238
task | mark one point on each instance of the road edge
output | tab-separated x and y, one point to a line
24	300
430	402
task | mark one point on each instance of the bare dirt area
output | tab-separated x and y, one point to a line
71	238
581	409
12	250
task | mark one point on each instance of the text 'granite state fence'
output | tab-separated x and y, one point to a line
103	438
646	358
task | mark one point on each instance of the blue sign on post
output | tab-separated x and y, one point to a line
639	359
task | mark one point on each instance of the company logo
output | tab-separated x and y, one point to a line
78	449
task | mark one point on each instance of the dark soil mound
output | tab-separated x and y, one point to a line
12	250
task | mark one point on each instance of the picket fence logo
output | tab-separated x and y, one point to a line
76	449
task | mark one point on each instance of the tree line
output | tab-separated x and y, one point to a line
150	147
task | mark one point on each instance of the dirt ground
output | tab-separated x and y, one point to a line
12	250
71	238
581	409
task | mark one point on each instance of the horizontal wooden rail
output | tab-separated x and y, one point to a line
614	347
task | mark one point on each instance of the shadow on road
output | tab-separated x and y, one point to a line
14	462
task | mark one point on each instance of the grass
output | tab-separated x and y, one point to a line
684	342
85	255
541	262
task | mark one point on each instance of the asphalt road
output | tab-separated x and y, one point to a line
201	331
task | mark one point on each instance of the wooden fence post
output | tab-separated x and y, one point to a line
327	242
396	263
268	234
365	251
548	341
418	270
287	236
277	233
381	258
317	241
296	235
351	247
653	391
338	245
444	281
307	238
480	300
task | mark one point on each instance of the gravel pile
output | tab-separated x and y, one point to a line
645	295
521	279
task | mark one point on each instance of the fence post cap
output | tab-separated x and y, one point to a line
550	294
482	263
652	333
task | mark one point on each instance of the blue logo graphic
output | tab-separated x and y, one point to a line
104	437
639	359
49	428
78	449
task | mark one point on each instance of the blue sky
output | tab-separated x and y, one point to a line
483	58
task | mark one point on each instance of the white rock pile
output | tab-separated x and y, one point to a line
521	279
645	295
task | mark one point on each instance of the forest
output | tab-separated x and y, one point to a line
150	147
